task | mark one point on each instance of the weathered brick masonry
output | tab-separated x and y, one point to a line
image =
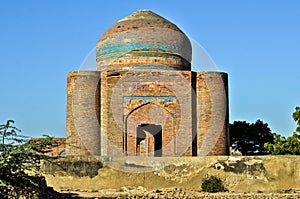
144	100
83	104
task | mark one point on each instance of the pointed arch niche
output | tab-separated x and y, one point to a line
150	131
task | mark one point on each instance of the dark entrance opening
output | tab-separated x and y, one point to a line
155	131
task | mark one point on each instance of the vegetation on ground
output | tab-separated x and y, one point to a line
212	184
20	159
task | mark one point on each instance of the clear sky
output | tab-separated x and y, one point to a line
256	42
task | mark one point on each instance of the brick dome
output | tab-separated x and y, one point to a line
143	40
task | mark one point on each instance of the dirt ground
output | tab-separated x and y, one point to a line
244	177
140	192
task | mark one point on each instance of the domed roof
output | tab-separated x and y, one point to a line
143	40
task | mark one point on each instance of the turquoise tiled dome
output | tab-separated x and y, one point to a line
143	40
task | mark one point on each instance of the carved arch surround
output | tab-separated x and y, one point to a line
150	113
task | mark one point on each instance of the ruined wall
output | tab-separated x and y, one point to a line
83	115
239	174
58	150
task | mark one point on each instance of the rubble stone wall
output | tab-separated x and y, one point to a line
239	174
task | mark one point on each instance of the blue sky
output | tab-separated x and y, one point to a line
256	42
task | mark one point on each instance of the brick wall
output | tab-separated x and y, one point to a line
212	113
83	115
191	108
58	148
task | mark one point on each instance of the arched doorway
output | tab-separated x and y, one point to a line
149	131
149	140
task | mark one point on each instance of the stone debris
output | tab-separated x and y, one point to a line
234	159
141	192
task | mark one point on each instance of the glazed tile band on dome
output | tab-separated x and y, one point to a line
143	40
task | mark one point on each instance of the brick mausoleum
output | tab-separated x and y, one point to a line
143	99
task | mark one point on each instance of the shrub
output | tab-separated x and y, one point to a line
212	184
20	160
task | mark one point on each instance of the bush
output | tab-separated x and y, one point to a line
20	160
212	184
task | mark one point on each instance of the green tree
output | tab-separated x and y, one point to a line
285	146
289	145
296	116
20	159
249	139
